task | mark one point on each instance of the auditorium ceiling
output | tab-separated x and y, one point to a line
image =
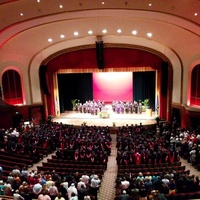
32	30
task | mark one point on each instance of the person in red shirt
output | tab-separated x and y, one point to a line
137	158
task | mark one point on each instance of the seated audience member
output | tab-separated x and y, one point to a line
196	184
82	192
172	187
140	177
10	178
143	192
148	176
94	185
2	192
63	190
24	174
148	185
59	197
17	196
8	188
85	178
16	172
72	189
73	196
156	195
27	195
80	183
87	197
124	196
125	183
53	191
37	188
165	185
44	196
49	183
23	187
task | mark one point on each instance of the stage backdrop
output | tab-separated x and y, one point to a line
107	86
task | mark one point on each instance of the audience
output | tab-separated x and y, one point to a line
140	145
137	145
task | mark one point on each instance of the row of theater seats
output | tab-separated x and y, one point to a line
179	196
184	196
159	169
62	167
79	162
150	165
9	160
72	165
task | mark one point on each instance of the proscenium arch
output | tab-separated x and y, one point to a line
162	55
131	65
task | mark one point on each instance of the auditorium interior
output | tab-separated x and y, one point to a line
129	69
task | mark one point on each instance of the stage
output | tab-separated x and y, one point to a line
77	119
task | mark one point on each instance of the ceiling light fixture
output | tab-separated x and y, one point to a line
62	36
75	33
61	6
21	14
104	31
50	40
90	32
149	34
195	14
134	32
119	30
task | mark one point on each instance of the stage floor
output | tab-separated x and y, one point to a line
77	119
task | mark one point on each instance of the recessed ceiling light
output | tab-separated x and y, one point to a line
134	32
21	14
104	31
149	34
38	1
150	4
61	6
75	33
119	30
90	32
62	36
102	2
50	40
195	14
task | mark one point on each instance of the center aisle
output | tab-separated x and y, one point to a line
107	188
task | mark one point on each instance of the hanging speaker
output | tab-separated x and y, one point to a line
99	55
44	79
164	78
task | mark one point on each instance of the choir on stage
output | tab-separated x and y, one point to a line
126	107
93	107
119	107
